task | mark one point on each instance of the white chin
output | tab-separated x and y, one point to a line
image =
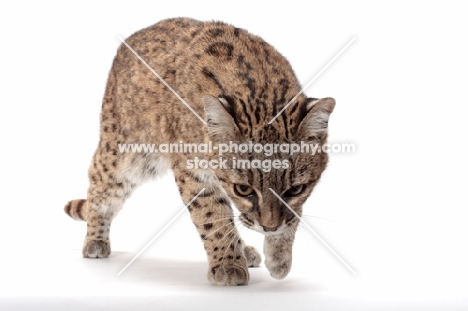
267	233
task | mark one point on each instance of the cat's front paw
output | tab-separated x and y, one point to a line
253	256
228	275
278	255
96	248
279	267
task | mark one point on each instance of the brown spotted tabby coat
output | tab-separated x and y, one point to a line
237	83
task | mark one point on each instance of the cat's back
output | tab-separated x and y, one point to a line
197	59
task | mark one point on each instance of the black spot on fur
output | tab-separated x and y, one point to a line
243	63
249	82
222	201
79	208
67	208
216	32
208	74
257	114
220	49
245	112
208	226
196	177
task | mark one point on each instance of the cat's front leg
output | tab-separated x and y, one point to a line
213	217
278	253
225	249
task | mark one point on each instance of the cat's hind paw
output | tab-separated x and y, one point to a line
96	248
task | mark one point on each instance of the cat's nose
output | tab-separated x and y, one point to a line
270	229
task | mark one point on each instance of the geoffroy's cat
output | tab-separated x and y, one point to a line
218	84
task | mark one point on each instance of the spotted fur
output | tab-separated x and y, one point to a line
237	82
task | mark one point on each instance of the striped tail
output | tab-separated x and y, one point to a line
77	209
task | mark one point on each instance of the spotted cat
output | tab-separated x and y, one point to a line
217	84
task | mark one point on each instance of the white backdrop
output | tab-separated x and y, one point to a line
395	210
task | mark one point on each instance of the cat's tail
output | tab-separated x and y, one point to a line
77	209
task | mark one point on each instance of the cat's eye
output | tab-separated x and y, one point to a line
295	190
243	190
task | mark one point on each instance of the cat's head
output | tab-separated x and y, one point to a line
258	168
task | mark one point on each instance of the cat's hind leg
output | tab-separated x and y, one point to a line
113	177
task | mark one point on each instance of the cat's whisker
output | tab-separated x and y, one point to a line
238	231
234	221
227	234
290	234
301	226
304	222
317	220
213	232
209	222
302	232
318	217
291	231
228	246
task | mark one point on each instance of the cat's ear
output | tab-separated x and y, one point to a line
315	124
220	124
